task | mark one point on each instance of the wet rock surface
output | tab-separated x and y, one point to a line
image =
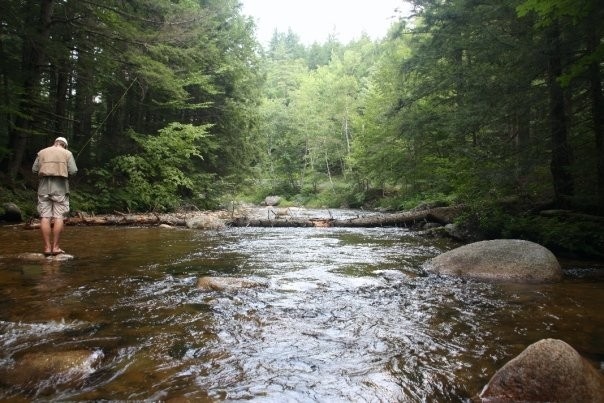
59	366
40	256
502	260
226	283
549	370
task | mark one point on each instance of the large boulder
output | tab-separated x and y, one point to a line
510	260
547	371
445	215
10	212
460	233
272	200
204	221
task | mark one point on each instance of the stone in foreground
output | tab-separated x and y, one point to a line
547	371
54	366
504	260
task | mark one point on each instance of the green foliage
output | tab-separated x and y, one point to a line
549	10
485	218
25	199
162	173
566	234
309	115
583	17
571	236
336	194
119	68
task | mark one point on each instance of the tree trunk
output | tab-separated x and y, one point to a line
111	141
32	58
62	84
523	145
441	215
562	158
5	125
597	104
84	105
329	171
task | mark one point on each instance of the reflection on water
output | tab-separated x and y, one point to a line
346	315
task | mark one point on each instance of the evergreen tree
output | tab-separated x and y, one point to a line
98	72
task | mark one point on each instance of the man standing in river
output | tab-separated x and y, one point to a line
53	165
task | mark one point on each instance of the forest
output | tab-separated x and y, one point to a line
173	104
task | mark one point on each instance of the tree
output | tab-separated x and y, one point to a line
95	71
580	24
36	24
281	158
310	110
162	170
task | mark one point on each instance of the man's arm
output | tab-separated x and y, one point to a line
71	166
36	167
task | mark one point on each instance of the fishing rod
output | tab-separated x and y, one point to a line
106	117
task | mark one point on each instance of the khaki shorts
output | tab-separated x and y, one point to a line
53	206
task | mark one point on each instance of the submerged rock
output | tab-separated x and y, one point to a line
226	283
61	366
41	256
499	260
547	371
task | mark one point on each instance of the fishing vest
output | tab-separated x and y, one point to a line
53	161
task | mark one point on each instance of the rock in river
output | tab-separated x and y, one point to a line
226	283
55	366
272	200
41	256
204	221
547	371
499	260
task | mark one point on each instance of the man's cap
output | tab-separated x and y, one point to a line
61	139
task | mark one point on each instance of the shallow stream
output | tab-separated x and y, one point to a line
343	315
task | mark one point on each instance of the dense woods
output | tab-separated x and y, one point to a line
156	97
466	100
172	104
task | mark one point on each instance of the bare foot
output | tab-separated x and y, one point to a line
58	251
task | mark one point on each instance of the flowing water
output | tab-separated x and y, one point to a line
341	315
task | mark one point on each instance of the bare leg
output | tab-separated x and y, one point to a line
56	235
46	230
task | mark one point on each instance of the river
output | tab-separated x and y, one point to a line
343	315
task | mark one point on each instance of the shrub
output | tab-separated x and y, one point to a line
161	174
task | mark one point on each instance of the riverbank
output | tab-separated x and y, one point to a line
568	234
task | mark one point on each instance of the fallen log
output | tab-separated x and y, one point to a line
441	215
120	219
267	222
